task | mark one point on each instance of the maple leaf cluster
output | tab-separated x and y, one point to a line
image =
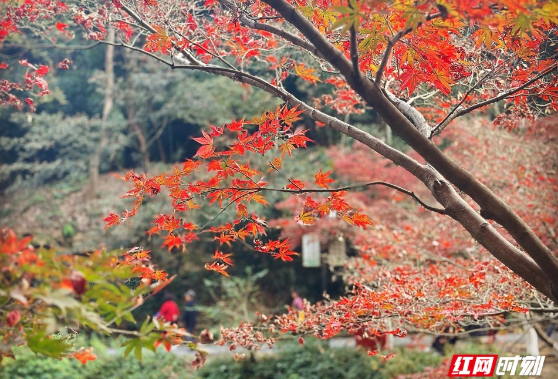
464	286
233	183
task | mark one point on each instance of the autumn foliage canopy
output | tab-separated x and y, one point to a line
446	236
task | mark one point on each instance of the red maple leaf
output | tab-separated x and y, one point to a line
159	41
322	179
112	219
295	184
84	355
42	70
218	267
224	258
61	26
173	241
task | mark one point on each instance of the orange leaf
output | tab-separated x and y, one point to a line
295	184
306	73
305	218
83	355
322	179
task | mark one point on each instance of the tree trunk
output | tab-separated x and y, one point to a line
95	159
139	135
536	264
531	341
138	131
162	155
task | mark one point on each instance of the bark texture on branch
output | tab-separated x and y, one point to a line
463	180
539	267
416	118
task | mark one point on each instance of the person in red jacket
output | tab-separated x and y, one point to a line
169	310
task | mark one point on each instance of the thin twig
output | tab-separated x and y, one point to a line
339	189
435	130
214	55
189	57
251	23
509	93
249	192
391	43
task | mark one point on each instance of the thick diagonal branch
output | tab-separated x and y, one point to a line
411	113
536	273
486	199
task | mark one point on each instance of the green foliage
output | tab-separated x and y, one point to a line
159	365
68	231
31	366
39	343
236	298
53	146
110	365
314	360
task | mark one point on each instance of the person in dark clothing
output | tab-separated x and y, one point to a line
190	314
440	342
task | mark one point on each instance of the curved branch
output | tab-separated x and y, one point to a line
540	274
295	40
445	122
53	45
490	203
328	51
345	188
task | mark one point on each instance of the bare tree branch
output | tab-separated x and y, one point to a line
345	188
445	122
251	23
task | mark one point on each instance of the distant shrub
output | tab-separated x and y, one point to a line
315	360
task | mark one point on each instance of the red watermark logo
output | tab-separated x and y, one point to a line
472	365
485	365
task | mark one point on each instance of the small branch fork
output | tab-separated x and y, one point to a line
541	272
456	113
448	118
391	43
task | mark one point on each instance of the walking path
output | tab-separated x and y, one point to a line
418	342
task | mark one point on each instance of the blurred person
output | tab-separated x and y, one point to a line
190	314
297	304
440	342
169	310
